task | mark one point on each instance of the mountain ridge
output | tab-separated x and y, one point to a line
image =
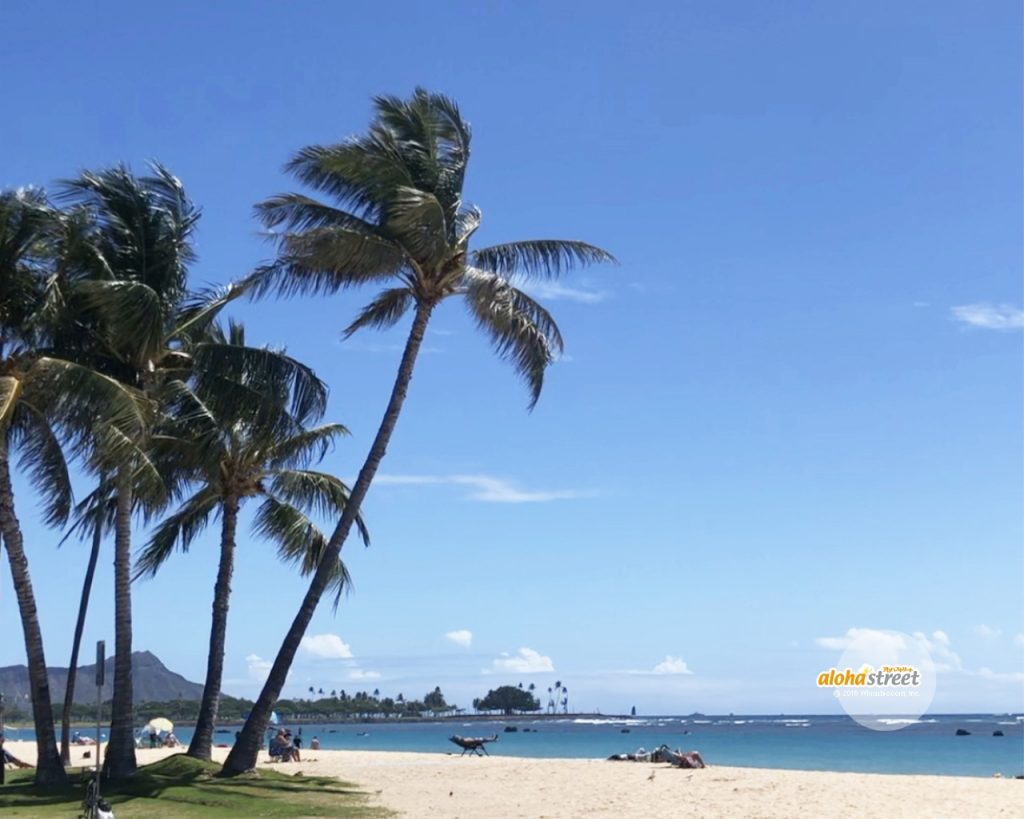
151	681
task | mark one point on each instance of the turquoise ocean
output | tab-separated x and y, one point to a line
928	745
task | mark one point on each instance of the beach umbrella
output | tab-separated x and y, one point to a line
160	724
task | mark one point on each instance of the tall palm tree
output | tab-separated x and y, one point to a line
141	326
41	398
398	219
230	459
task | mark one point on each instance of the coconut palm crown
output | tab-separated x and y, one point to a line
398	218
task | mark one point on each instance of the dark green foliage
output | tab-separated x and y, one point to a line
508	699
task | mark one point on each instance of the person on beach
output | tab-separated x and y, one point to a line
314	744
683	760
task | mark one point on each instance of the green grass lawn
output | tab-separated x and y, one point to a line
183	787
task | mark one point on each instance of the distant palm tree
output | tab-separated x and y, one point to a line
398	216
230	457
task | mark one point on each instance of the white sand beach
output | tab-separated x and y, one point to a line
499	787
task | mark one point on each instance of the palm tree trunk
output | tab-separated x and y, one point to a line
49	769
83	607
202	739
120	762
246	750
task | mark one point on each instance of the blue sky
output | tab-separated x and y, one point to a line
793	410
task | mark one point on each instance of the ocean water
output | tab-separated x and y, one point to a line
813	743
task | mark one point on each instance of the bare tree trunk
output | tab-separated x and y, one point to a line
202	739
83	607
49	768
120	762
243	755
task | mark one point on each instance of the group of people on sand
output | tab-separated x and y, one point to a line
168	740
285	748
663	753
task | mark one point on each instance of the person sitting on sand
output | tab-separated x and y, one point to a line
281	747
314	744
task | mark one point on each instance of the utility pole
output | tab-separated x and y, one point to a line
3	756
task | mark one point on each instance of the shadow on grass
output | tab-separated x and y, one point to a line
190	787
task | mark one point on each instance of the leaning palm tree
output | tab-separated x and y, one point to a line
230	459
93	517
398	219
41	398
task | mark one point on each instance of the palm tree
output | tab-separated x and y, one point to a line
24	223
41	397
93	519
232	459
142	323
398	217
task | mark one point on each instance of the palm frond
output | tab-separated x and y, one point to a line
521	330
10	388
384	311
42	459
98	508
538	257
298	212
270	372
299	541
201	308
359	172
130	313
306	447
416	220
178	530
318	492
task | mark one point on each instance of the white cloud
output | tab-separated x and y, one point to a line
941	650
672	665
527	661
326	647
867	639
258	668
555	291
986	632
461	637
1019	640
1000	676
990	316
360	674
484	488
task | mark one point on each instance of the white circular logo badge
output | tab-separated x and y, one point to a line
885	680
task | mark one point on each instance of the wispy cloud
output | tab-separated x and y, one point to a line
358	346
990	316
358	674
326	647
258	668
670	665
485	488
1019	640
526	661
555	291
987	632
461	637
